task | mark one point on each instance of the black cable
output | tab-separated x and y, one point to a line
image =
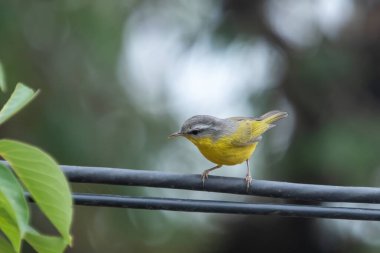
295	191
207	206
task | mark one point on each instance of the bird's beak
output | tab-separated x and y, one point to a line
176	134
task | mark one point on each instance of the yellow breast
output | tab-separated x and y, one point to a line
222	151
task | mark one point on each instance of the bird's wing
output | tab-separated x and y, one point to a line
249	130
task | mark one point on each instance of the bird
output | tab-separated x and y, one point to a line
227	141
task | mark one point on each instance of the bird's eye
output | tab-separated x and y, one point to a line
194	132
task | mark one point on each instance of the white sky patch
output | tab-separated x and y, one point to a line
191	79
218	81
332	16
148	53
293	21
300	23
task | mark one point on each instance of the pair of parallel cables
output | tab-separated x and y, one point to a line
316	195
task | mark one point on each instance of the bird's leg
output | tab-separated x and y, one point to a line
206	172
248	177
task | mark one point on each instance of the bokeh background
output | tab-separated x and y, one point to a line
118	76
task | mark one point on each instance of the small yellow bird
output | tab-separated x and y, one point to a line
227	141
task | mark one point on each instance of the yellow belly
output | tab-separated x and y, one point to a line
222	152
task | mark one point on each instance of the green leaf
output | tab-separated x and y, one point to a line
20	97
5	247
44	243
3	86
9	228
45	181
12	200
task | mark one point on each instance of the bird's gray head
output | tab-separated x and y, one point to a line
200	126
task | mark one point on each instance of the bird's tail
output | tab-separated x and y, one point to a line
272	116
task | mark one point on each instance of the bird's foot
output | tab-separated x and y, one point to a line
204	176
248	180
206	172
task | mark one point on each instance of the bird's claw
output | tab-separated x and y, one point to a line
204	177
248	180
